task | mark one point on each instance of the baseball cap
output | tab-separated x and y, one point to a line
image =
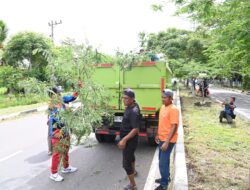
168	92
129	92
57	89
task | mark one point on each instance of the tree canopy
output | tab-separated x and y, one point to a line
220	43
21	52
226	26
3	33
183	50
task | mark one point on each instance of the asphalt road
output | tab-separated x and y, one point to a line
242	100
25	164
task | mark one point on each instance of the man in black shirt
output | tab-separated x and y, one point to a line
129	136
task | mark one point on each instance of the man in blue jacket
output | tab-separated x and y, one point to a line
228	111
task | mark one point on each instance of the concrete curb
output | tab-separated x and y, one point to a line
153	172
22	113
232	89
180	180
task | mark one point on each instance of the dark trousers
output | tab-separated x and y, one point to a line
228	117
129	155
164	162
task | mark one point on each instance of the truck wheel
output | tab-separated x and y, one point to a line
110	138
100	138
151	141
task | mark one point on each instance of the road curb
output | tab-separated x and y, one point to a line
22	113
28	111
180	167
153	172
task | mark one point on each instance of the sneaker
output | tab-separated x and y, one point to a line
56	177
160	188
130	187
69	169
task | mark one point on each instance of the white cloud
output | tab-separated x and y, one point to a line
108	24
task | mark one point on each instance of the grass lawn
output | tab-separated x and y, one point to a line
218	155
11	104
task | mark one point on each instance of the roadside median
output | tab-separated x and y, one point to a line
214	149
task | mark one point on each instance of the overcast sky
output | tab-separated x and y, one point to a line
106	24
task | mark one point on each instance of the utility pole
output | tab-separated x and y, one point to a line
52	24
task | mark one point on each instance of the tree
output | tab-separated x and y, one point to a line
3	33
21	52
183	50
227	25
72	63
9	77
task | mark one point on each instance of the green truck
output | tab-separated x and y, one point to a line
147	79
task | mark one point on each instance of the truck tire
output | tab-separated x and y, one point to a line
100	138
151	141
110	138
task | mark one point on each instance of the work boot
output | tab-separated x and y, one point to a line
160	188
159	180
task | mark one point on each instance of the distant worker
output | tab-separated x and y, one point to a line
194	84
203	88
193	88
166	136
152	56
129	136
174	83
205	85
228	112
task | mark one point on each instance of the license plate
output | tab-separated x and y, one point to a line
118	119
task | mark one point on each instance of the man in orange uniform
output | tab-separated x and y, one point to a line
167	136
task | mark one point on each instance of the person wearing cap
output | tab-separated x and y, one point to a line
59	135
166	136
129	136
228	111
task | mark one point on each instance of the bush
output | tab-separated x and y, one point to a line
18	100
9	77
3	90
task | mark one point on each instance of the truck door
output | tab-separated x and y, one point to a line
108	76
